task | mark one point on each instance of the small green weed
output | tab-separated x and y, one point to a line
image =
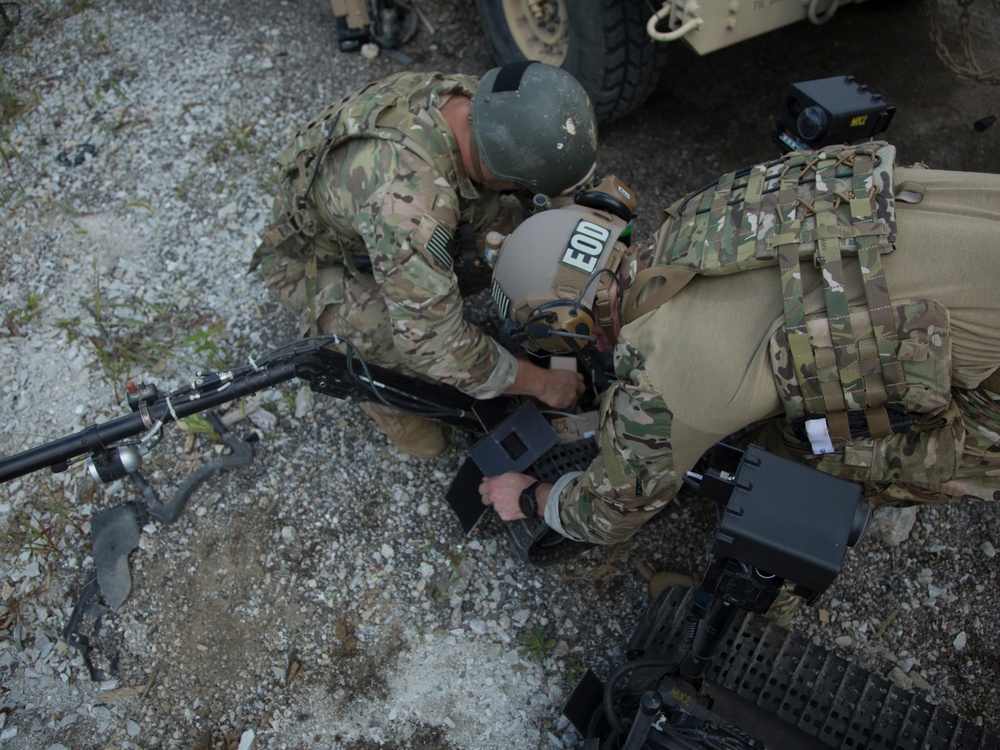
240	138
574	672
431	543
8	153
14	101
269	185
196	424
137	334
122	122
288	395
205	343
140	204
94	39
39	534
72	7
537	644
183	188
455	560
14	319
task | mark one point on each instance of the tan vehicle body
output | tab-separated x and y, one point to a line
616	48
355	11
714	24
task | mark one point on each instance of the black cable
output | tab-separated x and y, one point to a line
301	200
646	663
357	373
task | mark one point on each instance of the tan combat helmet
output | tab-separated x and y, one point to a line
551	269
533	125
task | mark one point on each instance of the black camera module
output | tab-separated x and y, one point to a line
829	111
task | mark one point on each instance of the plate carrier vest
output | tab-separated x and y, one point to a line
388	109
850	377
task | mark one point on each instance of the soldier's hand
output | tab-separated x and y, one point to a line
503	492
556	388
561	388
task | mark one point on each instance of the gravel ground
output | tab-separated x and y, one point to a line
326	596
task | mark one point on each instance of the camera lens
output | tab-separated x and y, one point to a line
812	123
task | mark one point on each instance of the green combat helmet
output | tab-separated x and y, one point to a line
533	125
551	275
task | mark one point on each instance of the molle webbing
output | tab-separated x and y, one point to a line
826	206
862	363
737	222
734	223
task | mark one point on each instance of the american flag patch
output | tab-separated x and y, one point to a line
502	300
440	246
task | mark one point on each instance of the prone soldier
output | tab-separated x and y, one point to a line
832	307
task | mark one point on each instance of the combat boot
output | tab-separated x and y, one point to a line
666	579
411	434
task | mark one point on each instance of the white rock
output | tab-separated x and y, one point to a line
305	402
899	677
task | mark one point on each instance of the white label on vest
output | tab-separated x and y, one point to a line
819	436
585	246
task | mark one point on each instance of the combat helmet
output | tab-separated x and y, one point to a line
551	274
533	125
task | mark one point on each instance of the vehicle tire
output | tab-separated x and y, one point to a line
602	42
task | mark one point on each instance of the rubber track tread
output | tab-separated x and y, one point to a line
840	704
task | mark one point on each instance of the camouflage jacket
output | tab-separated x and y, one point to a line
714	359
376	182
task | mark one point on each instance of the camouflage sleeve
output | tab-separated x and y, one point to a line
408	224
633	476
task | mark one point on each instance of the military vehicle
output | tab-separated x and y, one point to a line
616	48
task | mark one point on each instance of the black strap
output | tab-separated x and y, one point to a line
509	76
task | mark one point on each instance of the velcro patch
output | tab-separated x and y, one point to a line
432	239
441	245
502	300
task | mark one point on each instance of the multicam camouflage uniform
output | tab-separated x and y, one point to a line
362	239
895	316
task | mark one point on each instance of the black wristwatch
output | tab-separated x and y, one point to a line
527	502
